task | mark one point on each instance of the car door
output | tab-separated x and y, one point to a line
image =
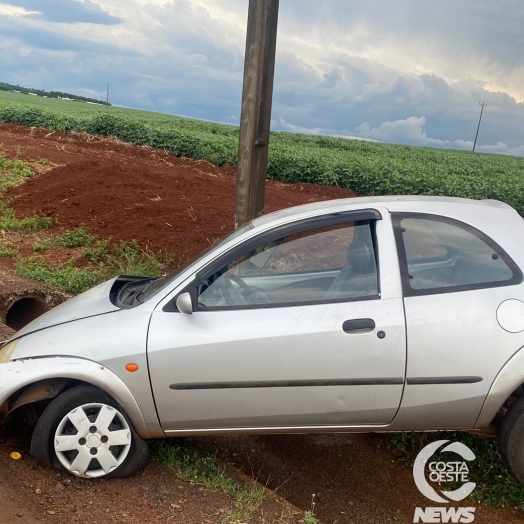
293	329
455	282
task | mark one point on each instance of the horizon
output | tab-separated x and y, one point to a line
312	132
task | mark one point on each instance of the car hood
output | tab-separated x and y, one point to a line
93	302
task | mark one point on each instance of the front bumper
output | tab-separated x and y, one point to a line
17	374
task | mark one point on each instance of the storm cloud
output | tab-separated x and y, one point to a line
67	11
405	72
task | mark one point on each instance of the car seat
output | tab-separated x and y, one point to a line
359	278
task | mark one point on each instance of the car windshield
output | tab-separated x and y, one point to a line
163	281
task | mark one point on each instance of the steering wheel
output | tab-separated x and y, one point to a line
247	294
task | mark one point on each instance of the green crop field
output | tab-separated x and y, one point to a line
364	167
65	106
81	109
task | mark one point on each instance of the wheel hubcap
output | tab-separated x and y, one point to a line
92	440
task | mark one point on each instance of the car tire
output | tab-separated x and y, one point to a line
511	440
85	432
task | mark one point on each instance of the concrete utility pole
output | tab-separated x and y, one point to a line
107	96
478	127
257	98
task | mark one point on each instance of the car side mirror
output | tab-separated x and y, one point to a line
184	304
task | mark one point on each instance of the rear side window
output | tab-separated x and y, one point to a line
440	255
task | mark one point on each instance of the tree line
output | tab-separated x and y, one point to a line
4	86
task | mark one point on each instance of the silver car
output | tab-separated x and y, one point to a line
357	315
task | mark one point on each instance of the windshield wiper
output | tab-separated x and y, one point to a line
129	294
143	290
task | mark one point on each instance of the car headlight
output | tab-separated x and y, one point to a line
7	350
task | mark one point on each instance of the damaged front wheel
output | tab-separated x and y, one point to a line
85	432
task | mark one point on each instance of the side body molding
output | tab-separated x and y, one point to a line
509	378
17	374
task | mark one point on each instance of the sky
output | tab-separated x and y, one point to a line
408	72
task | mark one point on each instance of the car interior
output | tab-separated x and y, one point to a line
333	263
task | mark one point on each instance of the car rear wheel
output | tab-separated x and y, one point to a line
511	440
86	433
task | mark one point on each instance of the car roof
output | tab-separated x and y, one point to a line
394	203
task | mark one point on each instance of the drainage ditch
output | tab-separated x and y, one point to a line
22	300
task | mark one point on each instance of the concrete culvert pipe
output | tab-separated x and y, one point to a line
22	300
23	311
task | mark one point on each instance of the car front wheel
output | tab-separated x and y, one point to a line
85	432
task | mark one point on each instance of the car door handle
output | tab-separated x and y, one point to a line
358	324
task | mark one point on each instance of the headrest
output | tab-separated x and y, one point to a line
360	257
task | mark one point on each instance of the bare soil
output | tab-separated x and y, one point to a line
180	206
169	204
30	493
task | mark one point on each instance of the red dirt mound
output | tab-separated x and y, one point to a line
167	203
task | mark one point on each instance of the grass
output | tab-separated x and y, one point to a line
78	237
130	259
104	261
309	515
13	173
65	106
8	222
494	484
124	258
8	252
88	111
96	251
66	276
208	471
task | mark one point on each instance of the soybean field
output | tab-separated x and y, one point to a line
361	166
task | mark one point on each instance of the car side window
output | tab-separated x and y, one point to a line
439	255
335	262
